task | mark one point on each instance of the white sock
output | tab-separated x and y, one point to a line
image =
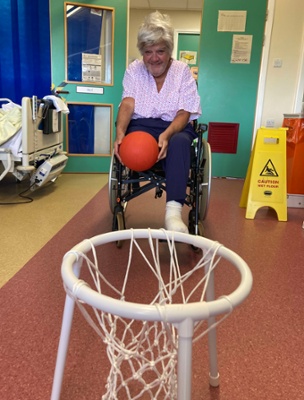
173	218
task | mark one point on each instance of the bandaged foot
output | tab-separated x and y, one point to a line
173	217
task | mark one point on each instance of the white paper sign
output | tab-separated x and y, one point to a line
91	67
241	49
231	21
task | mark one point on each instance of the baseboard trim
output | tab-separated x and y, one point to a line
295	200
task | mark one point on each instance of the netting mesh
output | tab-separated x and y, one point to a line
143	354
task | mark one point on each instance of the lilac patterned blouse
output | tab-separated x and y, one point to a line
179	92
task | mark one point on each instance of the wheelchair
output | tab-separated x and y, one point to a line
125	184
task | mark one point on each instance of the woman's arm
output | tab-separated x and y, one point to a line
124	116
178	124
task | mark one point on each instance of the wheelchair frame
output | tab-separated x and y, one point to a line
125	185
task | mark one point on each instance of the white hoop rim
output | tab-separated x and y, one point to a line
175	313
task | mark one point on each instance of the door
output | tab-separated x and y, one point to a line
229	66
187	50
88	58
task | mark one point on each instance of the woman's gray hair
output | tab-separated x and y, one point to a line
156	28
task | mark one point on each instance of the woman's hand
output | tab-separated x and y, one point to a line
117	143
163	145
180	121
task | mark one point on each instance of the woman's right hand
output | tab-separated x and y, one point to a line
117	143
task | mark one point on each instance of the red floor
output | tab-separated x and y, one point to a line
260	345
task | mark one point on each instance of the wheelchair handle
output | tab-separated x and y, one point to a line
201	128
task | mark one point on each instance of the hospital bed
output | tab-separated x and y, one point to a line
31	139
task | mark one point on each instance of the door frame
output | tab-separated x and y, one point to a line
299	97
176	33
263	68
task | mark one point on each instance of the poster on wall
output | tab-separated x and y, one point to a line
188	57
231	21
241	49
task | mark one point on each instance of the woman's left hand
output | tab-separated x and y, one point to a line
163	145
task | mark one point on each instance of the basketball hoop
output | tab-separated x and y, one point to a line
149	337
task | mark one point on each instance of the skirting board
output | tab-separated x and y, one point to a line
295	200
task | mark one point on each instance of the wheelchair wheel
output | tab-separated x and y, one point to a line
113	182
205	185
118	223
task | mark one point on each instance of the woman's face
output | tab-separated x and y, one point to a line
156	59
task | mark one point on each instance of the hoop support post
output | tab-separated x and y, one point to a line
212	351
184	356
63	346
65	333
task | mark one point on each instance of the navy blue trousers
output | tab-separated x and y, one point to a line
177	162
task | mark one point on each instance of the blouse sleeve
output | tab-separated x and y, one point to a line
129	86
189	99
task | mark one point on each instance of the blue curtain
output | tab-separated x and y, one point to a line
25	67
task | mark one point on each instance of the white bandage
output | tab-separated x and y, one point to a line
173	218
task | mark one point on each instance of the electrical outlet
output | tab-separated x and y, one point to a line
277	63
270	123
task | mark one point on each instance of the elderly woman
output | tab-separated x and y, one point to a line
160	97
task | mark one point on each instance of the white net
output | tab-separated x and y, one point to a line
143	353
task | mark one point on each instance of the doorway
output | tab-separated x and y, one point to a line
184	21
227	82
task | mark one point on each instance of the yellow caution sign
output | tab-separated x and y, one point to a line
265	183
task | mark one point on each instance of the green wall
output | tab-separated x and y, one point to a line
229	91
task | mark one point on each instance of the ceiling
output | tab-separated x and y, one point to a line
190	5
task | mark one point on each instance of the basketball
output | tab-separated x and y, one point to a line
139	151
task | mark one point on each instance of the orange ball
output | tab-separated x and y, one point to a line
139	151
